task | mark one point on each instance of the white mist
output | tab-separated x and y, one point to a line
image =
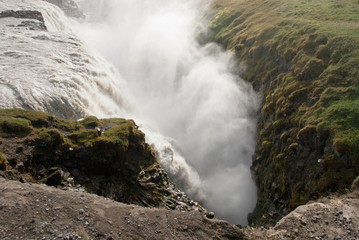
184	91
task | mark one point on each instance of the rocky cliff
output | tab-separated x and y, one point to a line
307	71
107	157
307	144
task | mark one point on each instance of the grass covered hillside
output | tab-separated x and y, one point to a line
303	56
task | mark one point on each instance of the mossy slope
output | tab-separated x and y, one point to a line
106	156
304	58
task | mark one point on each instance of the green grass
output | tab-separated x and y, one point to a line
52	132
303	56
3	162
17	126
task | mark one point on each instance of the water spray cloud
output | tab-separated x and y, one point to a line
185	91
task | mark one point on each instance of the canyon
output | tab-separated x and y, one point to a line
304	161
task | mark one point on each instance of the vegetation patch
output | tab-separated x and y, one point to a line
105	156
3	162
304	58
16	126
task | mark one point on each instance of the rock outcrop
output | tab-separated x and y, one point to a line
108	157
329	218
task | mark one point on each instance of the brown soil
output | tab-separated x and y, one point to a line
329	218
34	211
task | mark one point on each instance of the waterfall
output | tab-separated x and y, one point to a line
185	91
140	59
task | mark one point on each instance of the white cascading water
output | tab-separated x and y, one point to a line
158	75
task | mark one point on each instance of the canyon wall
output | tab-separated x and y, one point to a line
307	73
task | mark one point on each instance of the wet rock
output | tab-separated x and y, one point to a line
55	178
303	222
209	215
20	167
27	14
75	173
33	25
355	184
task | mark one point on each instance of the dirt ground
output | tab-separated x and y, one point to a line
334	217
32	211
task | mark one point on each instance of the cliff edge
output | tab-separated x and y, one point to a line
302	56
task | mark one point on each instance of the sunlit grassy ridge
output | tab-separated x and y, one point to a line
304	57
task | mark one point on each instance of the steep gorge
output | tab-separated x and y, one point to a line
307	145
307	71
196	113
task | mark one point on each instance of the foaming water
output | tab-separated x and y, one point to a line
196	113
52	70
184	91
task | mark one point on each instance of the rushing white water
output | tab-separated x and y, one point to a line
51	70
185	91
160	76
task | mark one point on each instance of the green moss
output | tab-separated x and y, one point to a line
303	56
298	197
293	147
307	133
39	119
16	126
312	69
91	122
50	138
266	145
3	162
84	137
341	120
298	95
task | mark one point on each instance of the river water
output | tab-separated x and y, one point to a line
140	59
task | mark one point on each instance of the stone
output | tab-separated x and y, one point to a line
303	222
75	173
55	178
209	215
20	167
355	184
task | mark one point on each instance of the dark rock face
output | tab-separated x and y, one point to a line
38	24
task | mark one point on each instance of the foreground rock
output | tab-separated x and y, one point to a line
329	218
42	212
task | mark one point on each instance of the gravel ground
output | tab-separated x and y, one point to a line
32	211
